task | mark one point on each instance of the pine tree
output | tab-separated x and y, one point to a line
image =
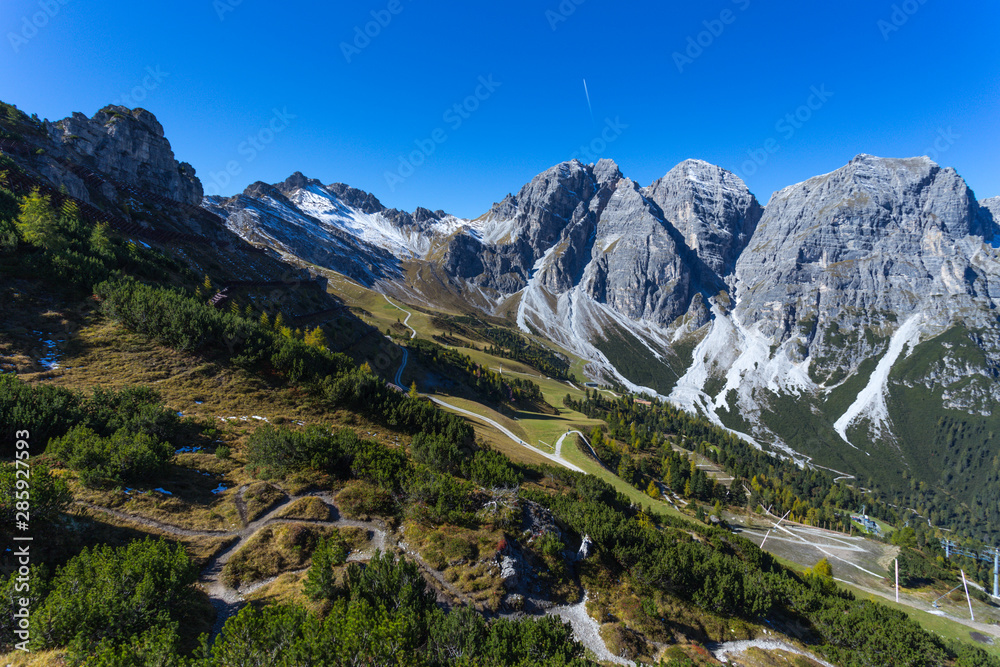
265	321
413	390
100	244
279	322
653	491
316	338
206	285
234	308
321	581
38	223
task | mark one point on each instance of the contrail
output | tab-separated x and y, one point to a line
589	106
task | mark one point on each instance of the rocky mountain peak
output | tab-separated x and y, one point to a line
873	237
503	210
358	199
261	190
606	172
711	207
297	181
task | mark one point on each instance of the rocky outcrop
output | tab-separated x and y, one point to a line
126	145
521	229
990	213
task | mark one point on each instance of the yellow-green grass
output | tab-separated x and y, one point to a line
280	548
940	625
378	311
285	589
464	558
382	314
191	505
480	409
501	443
86	527
306	509
259	497
48	658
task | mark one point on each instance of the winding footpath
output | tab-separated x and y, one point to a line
559	443
227	601
554	458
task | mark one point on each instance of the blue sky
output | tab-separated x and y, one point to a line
266	89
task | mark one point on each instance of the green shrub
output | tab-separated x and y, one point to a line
112	594
123	458
48	495
492	469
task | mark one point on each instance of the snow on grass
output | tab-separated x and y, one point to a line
870	402
50	360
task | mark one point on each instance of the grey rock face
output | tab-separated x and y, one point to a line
523	228
989	210
871	238
712	209
638	266
601	232
127	145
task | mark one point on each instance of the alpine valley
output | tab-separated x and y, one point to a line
605	422
850	323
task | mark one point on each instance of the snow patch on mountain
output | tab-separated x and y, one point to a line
375	228
870	402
